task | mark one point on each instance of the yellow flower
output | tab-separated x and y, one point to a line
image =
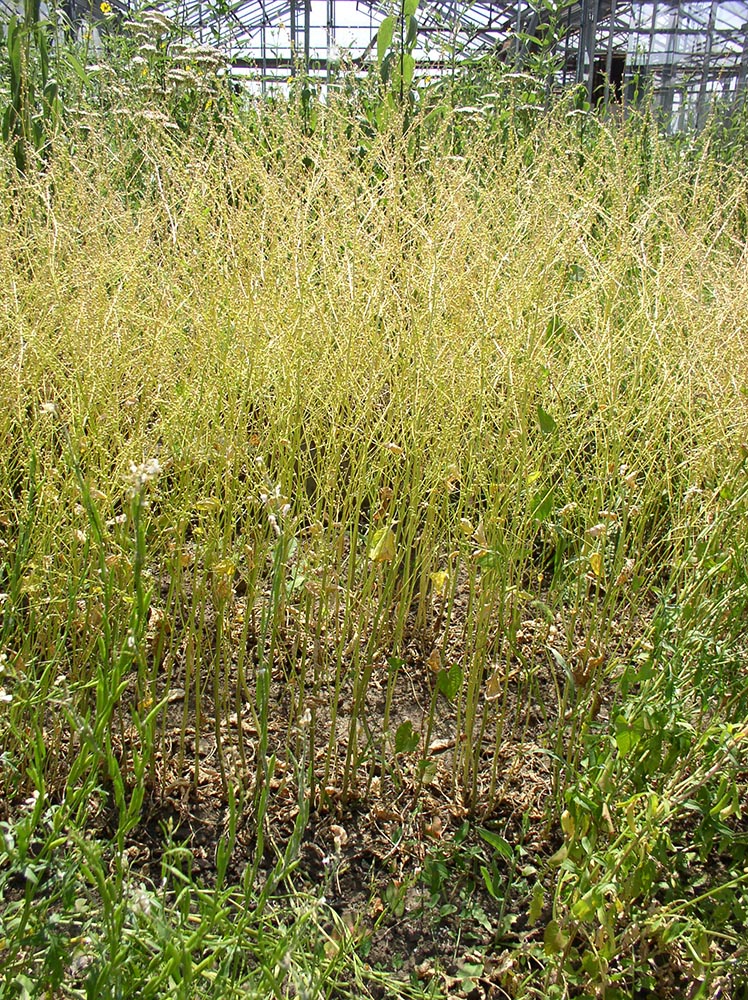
106	7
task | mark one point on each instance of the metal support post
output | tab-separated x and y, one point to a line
582	47
264	56
609	53
330	36
307	27
586	52
591	46
701	105
743	71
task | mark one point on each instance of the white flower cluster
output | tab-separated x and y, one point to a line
141	475
278	506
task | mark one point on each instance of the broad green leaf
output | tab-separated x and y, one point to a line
382	547
542	504
471	970
546	421
628	734
449	681
584	908
554	939
406	741
409	7
591	965
384	38
674	931
490	560
501	846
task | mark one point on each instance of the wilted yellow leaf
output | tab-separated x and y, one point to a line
596	562
627	573
493	686
439	582
567	824
382	547
466	526
225	567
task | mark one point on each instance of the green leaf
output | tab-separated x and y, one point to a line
546	421
488	881
591	964
554	939
584	908
501	846
628	734
30	876
410	40
409	67
470	971
491	560
77	66
409	7
406	741
449	681
674	931
386	67
536	903
41	45
542	504
384	38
